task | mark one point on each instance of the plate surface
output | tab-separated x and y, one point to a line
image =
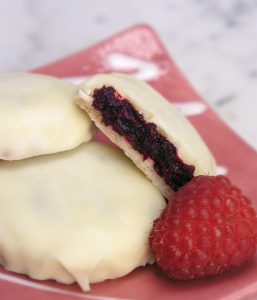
138	51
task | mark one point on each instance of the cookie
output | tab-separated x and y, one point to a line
159	140
38	116
82	215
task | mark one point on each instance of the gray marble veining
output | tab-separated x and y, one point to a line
213	41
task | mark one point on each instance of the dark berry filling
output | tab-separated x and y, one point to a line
144	137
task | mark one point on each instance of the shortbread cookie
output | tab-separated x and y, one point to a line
82	215
38	116
160	141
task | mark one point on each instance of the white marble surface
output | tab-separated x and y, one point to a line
213	41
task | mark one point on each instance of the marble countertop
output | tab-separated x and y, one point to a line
214	42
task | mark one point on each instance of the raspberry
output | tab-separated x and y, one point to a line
207	228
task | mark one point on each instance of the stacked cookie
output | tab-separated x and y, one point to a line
79	210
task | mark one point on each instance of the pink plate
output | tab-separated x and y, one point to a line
138	51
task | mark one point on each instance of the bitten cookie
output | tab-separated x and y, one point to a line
38	116
159	140
82	215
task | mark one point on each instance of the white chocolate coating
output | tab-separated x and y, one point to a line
156	109
82	215
38	116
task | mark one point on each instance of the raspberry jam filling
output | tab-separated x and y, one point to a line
144	137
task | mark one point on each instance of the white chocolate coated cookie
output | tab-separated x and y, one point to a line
82	215
170	123
38	116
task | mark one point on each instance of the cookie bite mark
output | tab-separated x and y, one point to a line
151	131
143	136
